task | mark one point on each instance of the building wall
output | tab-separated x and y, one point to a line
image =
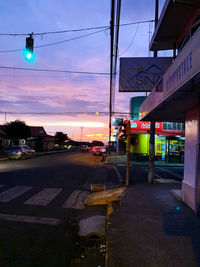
192	140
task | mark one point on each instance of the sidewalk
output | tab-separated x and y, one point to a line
116	159
152	228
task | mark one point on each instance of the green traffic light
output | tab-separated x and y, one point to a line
29	56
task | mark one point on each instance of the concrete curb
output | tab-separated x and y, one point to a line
109	212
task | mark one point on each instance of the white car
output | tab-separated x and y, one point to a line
21	152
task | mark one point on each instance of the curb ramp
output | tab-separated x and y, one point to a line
103	197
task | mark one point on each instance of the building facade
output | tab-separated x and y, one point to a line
176	97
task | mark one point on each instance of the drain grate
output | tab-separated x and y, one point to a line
92	242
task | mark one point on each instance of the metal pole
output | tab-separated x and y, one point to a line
151	152
152	127
197	194
5	118
81	134
128	153
111	68
156	21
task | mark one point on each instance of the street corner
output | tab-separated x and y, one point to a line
104	197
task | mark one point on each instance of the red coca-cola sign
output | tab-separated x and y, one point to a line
145	125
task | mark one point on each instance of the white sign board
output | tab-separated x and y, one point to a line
140	74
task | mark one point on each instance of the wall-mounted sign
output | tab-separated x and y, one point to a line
141	74
145	125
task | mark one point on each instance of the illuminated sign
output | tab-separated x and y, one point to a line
145	125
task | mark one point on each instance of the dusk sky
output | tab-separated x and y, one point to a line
76	94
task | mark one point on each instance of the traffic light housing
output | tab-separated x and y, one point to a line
28	52
126	127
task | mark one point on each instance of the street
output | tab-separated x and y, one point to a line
42	231
37	228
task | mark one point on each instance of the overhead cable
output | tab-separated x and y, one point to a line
74	30
55	43
51	70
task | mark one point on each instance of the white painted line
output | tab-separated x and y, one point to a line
158	176
44	197
118	174
167	181
172	173
29	219
13	192
76	200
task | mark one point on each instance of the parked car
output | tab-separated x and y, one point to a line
21	152
84	148
98	150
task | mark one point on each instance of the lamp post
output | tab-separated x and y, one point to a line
82	133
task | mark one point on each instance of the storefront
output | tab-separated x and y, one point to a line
169	143
176	97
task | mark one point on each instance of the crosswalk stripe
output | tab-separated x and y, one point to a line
44	197
13	192
30	219
76	200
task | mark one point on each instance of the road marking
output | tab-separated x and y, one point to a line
118	174
44	197
76	200
160	178
29	219
172	173
13	192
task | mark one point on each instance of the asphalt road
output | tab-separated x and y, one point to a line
35	227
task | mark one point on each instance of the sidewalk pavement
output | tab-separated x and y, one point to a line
116	159
150	227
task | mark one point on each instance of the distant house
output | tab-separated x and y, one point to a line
4	141
39	139
2	137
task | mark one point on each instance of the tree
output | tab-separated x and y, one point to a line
16	130
60	138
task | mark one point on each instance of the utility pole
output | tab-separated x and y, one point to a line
152	127
128	153
81	134
5	118
111	67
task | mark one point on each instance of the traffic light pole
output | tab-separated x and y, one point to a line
128	153
152	127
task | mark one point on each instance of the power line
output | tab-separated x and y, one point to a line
64	113
75	30
55	43
51	70
40	76
130	42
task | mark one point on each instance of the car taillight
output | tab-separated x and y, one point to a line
20	150
100	150
93	149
